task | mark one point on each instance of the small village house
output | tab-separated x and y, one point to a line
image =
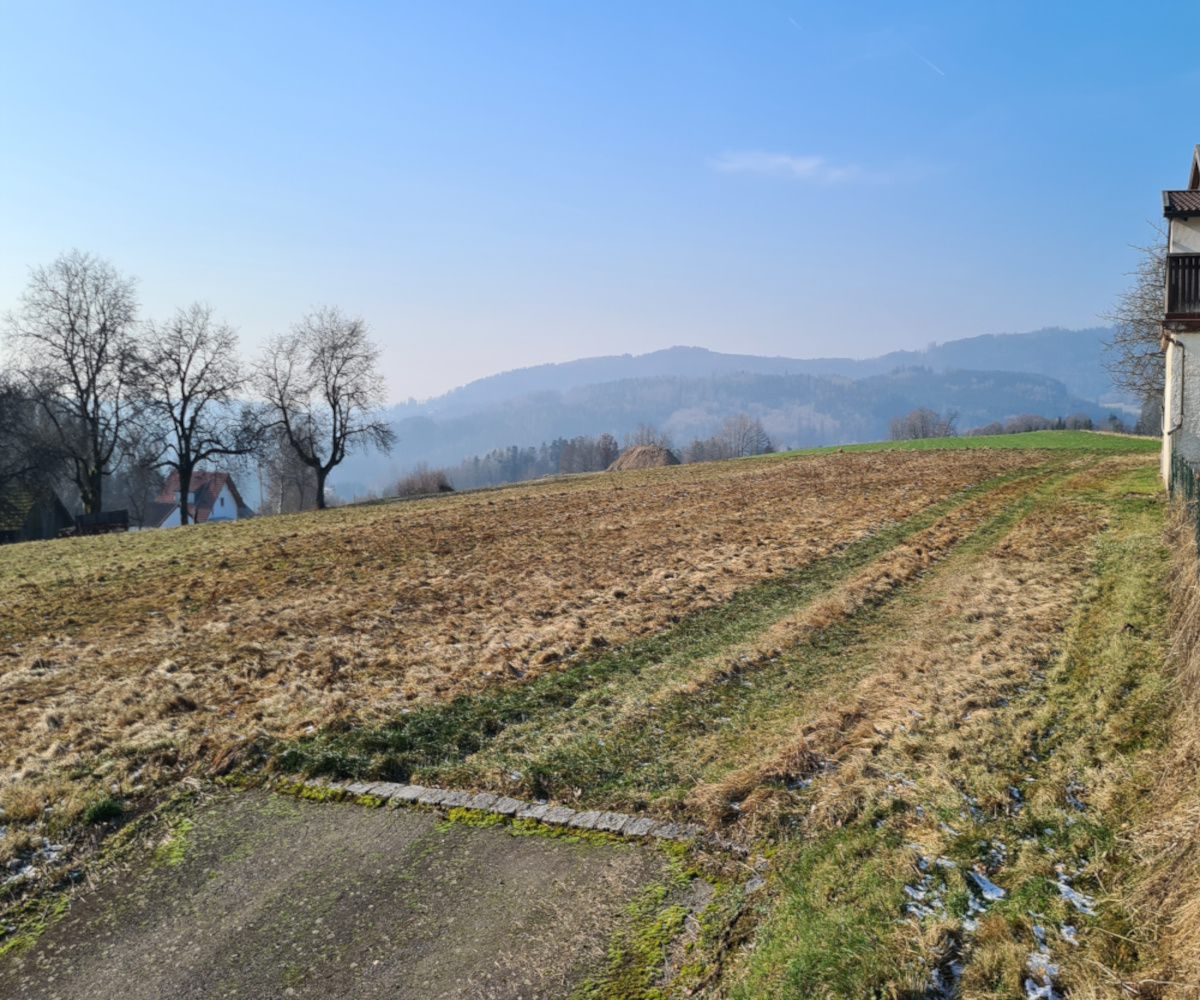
213	497
28	515
1181	324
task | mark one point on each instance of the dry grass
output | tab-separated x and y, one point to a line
1007	667
644	456
1166	886
979	631
899	566
125	661
1009	636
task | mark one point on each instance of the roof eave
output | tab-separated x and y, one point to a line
1171	211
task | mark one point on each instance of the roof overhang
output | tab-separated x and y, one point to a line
1181	204
1194	176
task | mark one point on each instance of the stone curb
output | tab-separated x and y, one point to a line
620	824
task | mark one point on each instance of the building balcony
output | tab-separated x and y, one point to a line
1183	287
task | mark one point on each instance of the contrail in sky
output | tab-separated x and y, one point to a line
936	69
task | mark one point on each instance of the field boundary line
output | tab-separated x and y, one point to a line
619	824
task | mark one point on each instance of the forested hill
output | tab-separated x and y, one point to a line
1073	357
796	410
688	392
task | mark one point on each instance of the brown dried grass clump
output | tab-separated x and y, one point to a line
1168	886
644	456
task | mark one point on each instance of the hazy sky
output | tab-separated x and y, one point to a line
498	184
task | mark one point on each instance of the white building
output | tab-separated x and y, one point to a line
1181	324
212	497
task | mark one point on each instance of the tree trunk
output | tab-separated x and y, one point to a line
92	493
185	485
321	474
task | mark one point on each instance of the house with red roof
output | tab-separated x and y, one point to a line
212	497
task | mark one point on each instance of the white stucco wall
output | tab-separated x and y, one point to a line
222	511
225	507
1185	236
1181	402
172	519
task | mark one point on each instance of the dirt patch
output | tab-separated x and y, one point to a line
266	896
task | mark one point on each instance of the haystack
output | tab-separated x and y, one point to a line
644	456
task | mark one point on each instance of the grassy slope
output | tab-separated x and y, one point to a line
1078	738
630	735
942	650
1156	876
470	738
1049	440
127	661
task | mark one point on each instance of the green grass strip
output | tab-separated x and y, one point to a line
1084	442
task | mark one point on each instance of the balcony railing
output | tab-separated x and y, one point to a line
1183	284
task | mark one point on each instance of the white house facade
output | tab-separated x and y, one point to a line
1181	324
213	498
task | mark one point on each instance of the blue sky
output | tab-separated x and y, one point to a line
498	184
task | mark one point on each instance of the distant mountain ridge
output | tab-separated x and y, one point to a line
689	391
1073	357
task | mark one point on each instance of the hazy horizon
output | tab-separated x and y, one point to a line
493	189
913	348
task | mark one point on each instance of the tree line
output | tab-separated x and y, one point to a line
740	436
925	423
95	398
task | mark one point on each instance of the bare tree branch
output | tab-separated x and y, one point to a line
72	338
1134	353
923	423
645	435
189	381
324	391
27	458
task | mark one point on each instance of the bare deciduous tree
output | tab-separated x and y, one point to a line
422	481
739	437
137	479
324	391
72	338
189	381
744	435
286	484
645	434
1024	423
923	423
23	455
607	450
1135	354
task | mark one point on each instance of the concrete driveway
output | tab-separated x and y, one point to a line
269	896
